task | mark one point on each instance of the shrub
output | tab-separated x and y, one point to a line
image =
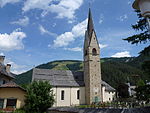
39	97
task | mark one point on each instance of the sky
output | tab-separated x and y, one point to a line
34	32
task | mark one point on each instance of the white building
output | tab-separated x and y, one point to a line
69	87
76	88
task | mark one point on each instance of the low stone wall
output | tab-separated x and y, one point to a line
98	110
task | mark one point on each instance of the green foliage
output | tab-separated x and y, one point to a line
140	83
141	25
123	91
19	111
143	37
24	78
146	66
146	51
39	97
114	70
115	73
62	65
143	93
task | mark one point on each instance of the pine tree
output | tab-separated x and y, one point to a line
143	37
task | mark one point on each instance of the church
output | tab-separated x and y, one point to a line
77	88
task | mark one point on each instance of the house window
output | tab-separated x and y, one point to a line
78	94
113	99
76	77
4	81
94	52
109	98
62	94
1	103
11	103
1	81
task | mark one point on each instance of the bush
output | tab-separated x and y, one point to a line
19	111
39	97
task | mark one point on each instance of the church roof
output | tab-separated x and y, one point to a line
59	77
63	78
107	86
4	72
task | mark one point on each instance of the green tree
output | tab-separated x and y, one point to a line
142	26
123	91
143	37
143	93
146	66
39	97
140	83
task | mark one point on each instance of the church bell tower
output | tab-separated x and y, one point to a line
92	67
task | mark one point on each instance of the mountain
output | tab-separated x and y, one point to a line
114	70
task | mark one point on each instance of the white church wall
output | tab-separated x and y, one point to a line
74	100
70	96
59	101
108	96
55	97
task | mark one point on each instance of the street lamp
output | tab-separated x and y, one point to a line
144	7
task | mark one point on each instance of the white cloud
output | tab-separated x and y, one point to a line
129	2
101	19
36	4
68	37
63	8
15	68
122	54
76	49
12	41
44	31
4	2
102	46
22	22
123	17
2	54
64	39
66	8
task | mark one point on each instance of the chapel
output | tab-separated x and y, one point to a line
76	88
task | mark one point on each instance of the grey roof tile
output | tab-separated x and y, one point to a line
63	78
107	86
59	77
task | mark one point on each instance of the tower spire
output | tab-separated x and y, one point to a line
92	68
90	26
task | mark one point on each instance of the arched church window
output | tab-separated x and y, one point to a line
94	52
78	94
62	94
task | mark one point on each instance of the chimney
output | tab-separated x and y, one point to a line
2	59
8	68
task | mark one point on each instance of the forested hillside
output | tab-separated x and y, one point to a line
114	70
